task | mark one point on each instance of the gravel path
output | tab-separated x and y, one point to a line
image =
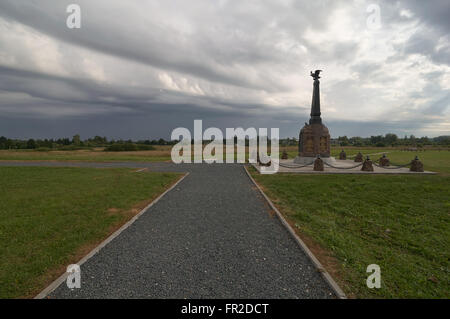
213	236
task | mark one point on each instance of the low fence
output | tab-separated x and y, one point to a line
376	163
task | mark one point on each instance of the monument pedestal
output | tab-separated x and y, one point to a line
314	139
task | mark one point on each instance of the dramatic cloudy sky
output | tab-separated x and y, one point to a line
139	69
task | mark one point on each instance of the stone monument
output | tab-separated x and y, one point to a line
314	138
367	165
416	165
318	164
384	161
359	157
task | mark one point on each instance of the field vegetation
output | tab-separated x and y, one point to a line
51	217
399	222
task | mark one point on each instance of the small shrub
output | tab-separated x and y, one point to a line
121	147
144	147
128	147
72	148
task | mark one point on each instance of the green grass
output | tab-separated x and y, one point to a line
436	161
335	150
400	222
433	160
49	217
85	155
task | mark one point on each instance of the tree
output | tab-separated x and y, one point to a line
76	139
343	140
412	139
376	139
3	142
31	144
357	141
390	138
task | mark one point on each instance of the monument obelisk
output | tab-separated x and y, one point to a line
314	137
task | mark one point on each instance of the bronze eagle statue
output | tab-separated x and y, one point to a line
315	75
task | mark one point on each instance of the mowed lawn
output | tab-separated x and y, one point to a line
436	161
401	223
51	217
160	154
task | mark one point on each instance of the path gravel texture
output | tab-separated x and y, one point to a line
212	236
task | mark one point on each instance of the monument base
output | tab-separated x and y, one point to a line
303	160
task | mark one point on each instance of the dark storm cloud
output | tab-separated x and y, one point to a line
60	92
439	106
206	56
435	12
234	36
431	38
424	43
227	63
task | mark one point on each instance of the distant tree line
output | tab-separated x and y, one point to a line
392	140
120	145
380	141
76	143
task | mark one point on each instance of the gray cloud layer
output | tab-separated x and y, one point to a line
138	70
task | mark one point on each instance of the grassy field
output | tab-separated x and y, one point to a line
401	223
437	159
51	217
433	159
161	154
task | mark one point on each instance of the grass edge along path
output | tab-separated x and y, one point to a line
52	217
349	227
